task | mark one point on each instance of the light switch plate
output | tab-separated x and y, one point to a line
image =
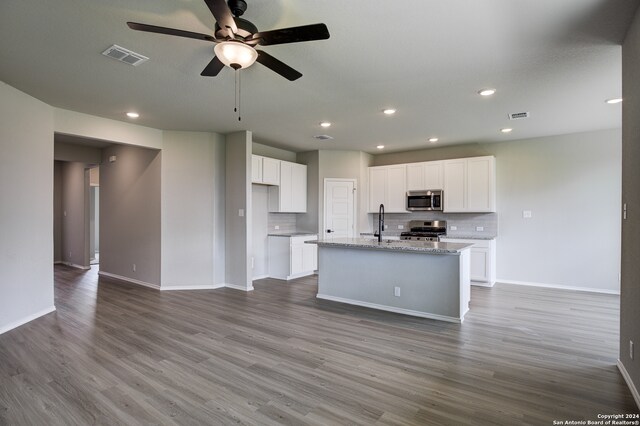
241	212
526	214
453	228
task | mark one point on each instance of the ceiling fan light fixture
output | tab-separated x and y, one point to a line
235	54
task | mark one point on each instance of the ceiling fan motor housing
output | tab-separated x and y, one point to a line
245	29
238	7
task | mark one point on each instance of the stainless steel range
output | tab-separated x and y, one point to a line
425	230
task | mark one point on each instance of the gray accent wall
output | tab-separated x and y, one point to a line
192	202
271	152
309	221
630	284
70	152
569	183
26	213
130	219
238	201
75	214
57	211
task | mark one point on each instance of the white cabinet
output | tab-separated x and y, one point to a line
470	185
291	195
425	176
291	257
388	186
265	170
483	260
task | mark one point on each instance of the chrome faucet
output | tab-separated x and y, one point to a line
380	222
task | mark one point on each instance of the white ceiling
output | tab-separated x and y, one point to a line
557	59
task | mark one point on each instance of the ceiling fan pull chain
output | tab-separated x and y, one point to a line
239	96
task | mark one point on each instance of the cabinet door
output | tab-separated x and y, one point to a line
286	186
256	169
377	187
270	171
298	188
396	189
309	257
481	184
455	188
297	256
479	264
433	175
416	177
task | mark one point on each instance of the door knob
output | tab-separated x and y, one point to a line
329	231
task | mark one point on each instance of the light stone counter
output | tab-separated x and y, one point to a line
394	245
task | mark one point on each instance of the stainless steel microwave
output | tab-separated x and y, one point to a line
425	200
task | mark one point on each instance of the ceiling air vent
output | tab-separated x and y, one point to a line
518	115
323	137
124	55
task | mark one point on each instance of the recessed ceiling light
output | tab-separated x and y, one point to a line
486	92
433	140
133	115
614	101
380	146
389	111
325	124
506	130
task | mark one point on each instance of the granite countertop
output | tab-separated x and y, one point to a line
292	234
470	237
394	245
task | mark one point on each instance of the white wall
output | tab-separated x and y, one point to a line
26	208
259	230
191	204
570	183
238	247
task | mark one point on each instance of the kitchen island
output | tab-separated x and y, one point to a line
424	279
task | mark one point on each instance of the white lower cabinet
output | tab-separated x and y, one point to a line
291	257
483	260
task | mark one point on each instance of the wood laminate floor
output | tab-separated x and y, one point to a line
116	353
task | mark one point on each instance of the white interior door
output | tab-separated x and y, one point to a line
339	208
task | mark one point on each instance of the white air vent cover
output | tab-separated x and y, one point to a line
323	137
518	115
124	55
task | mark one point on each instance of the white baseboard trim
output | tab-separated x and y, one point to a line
627	378
481	284
129	280
190	287
57	262
239	287
389	308
16	324
73	265
260	277
560	287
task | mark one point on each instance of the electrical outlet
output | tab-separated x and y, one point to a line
526	214
241	212
396	291
386	227
277	227
400	226
134	267
479	228
252	262
69	255
631	349
453	228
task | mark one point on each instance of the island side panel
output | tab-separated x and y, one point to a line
431	285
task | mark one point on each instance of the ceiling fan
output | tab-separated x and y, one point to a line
236	39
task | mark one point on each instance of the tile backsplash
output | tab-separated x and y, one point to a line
286	222
465	223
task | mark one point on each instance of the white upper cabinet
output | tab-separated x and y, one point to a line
388	186
291	195
470	185
425	176
265	170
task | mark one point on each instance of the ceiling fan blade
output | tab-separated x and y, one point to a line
169	31
292	34
223	15
213	68
278	66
